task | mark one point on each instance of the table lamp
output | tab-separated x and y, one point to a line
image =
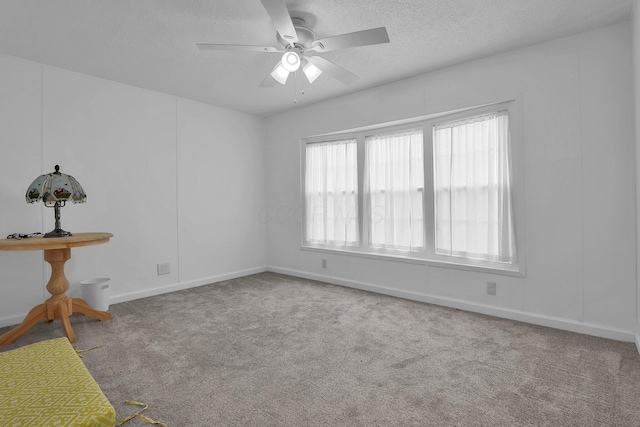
54	189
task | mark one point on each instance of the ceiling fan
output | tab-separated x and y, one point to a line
299	47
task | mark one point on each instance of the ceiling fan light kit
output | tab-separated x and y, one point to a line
300	47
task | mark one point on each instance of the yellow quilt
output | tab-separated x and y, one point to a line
47	384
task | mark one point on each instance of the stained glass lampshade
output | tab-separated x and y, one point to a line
55	189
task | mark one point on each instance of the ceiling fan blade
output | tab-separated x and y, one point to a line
277	10
333	70
269	81
359	38
216	46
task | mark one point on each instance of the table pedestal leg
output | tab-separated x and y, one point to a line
59	305
35	315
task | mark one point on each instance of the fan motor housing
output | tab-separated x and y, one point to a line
306	37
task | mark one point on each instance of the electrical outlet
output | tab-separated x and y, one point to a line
491	288
324	263
164	268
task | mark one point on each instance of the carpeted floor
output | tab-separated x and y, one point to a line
273	350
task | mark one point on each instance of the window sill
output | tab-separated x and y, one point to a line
469	265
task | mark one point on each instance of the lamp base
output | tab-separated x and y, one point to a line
58	232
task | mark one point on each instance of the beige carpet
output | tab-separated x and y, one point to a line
273	350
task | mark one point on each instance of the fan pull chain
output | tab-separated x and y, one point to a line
295	87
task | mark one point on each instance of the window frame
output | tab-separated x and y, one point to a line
429	255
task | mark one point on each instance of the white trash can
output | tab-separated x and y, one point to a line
96	293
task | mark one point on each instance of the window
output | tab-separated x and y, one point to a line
331	193
437	190
473	214
394	180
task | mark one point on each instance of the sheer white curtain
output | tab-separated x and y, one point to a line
331	193
393	195
473	212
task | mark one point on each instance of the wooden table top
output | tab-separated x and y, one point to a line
41	243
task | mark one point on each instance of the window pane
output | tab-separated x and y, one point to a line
473	210
331	193
394	181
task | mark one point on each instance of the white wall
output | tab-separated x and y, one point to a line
579	173
636	73
21	274
175	181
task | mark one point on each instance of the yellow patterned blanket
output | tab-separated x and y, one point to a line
47	384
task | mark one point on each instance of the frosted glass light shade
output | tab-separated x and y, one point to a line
280	74
290	61
311	72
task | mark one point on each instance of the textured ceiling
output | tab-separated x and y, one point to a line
151	43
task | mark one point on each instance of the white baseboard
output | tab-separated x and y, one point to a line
12	320
115	299
521	316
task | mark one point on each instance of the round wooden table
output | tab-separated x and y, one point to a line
57	250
